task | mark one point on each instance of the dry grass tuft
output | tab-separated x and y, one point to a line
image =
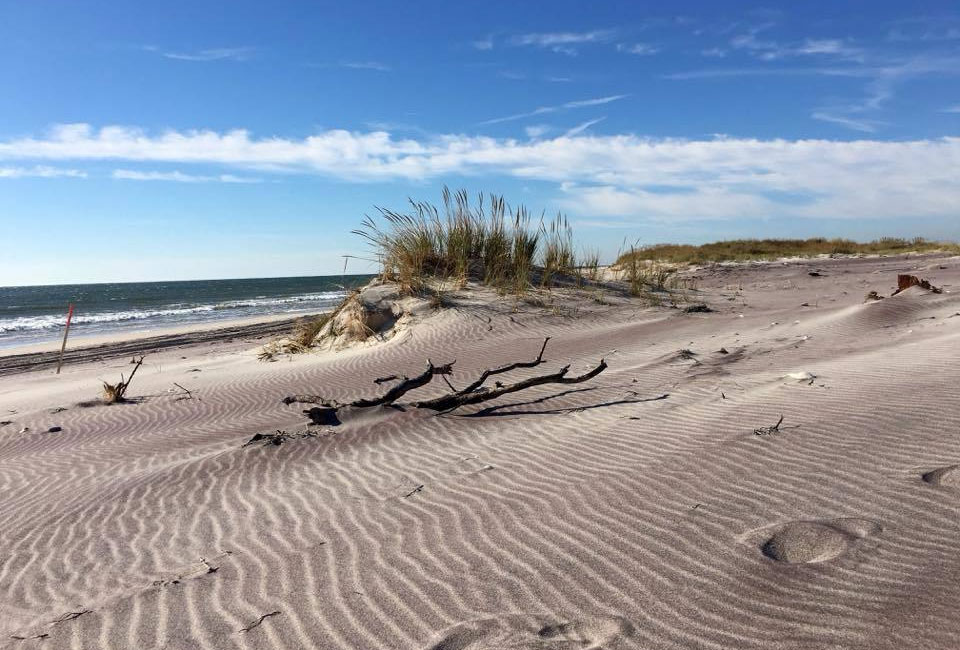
490	243
760	249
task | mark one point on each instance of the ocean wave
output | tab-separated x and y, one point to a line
169	313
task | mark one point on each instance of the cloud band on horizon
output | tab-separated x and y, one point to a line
608	175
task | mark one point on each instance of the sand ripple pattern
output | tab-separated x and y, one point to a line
585	518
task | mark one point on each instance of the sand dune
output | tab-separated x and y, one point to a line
639	510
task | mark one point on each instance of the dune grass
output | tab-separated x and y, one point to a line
488	242
760	249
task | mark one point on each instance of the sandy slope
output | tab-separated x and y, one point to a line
590	517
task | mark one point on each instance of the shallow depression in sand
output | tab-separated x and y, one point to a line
531	632
807	542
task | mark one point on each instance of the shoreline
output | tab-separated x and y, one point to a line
39	356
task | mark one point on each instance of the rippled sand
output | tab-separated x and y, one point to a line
590	516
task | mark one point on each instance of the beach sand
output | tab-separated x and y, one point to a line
638	510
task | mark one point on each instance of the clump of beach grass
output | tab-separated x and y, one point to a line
303	337
489	242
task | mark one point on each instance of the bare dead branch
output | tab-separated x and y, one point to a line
507	368
189	395
475	393
406	386
114	393
463	398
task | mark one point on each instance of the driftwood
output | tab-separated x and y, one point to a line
406	385
115	393
474	393
904	282
462	398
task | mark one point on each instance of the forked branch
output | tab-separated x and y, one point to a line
475	393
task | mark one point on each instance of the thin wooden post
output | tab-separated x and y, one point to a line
66	330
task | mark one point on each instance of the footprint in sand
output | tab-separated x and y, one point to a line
810	542
531	632
946	476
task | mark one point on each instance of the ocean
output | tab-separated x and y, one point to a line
38	314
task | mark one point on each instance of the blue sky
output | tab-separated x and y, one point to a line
179	140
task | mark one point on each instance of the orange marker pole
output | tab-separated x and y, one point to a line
66	330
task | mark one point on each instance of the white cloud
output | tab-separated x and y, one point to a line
179	177
714	52
216	54
597	101
40	171
483	44
952	109
366	65
612	175
536	130
552	39
640	49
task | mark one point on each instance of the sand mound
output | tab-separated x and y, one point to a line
376	313
806	542
949	475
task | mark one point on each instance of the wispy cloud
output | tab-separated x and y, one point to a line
483	44
862	125
952	109
354	65
215	54
641	49
601	175
710	73
179	177
882	74
553	109
714	52
562	42
366	65
537	130
550	39
926	28
40	171
580	128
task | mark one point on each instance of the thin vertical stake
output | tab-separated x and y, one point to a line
66	330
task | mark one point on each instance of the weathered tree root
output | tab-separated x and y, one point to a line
474	393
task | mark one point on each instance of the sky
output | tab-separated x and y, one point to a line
187	140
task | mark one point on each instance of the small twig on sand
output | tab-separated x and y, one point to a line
763	431
413	491
258	622
189	395
69	616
